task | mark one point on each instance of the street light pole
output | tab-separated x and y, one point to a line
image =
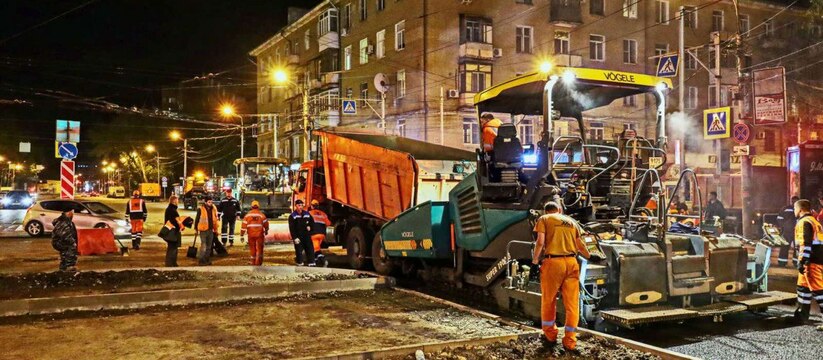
185	162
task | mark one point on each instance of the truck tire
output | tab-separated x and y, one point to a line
382	263
356	248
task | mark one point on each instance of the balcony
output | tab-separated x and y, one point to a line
330	79
329	40
293	59
568	60
566	13
476	50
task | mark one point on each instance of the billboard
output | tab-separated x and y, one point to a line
769	87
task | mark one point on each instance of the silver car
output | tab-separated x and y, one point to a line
87	215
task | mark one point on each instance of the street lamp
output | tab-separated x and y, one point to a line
175	135
228	111
281	77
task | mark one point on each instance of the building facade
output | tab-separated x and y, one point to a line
433	57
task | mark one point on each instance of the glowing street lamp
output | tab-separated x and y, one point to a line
228	111
279	76
151	149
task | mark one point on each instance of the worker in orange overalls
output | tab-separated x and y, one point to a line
489	126
137	214
257	226
558	243
318	228
808	235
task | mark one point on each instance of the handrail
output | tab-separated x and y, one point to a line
646	172
699	195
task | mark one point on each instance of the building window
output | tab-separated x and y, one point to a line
630	126
597	7
401	84
346	17
347	58
307	39
596	131
744	24
661	49
717	20
364	93
477	30
400	35
691	61
691	17
349	93
527	2
327	22
364	10
724	99
525	131
471	132
630	101
364	51
524	40
769	141
380	44
381	5
401	127
597	47
629	51
768	28
561	42
662	15
630	9
475	77
691	97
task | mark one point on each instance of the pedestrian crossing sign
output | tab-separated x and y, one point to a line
667	65
349	107
717	123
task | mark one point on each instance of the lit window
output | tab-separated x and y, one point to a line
364	51
327	22
347	58
380	44
630	8
475	77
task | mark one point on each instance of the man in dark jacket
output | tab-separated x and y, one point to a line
228	210
300	224
714	208
786	220
64	240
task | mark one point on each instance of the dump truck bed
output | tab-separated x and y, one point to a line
380	174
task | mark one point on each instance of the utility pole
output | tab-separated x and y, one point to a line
681	82
185	162
442	137
383	111
307	145
717	102
275	152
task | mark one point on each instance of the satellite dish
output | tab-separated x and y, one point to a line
381	83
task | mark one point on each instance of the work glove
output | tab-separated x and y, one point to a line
595	258
801	267
297	241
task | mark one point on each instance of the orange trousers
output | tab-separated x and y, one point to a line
256	249
812	278
560	274
317	241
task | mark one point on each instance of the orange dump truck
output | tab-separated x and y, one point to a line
364	180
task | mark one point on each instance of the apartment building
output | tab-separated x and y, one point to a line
438	55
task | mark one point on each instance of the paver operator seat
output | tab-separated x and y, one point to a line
505	164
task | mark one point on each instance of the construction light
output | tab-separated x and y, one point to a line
227	110
661	86
199	174
546	67
175	135
279	76
150	148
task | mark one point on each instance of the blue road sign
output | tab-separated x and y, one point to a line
349	107
716	123
667	65
67	150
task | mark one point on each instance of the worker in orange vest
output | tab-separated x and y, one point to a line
137	214
489	127
808	235
257	226
318	229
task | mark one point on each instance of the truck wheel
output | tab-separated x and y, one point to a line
356	248
382	263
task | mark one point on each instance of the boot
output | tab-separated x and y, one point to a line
135	244
801	314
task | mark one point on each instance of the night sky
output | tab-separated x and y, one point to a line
122	51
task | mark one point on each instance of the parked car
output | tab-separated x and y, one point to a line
118	192
17	199
87	215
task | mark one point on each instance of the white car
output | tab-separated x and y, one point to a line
87	215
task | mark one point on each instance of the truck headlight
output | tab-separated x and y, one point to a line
6	201
121	223
530	159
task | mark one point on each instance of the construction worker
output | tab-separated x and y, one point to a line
209	227
558	244
318	229
300	224
787	221
257	226
489	127
228	210
808	235
64	240
137	214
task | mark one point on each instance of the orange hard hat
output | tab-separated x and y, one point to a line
315	203
136	193
255	204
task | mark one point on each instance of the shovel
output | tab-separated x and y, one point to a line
124	250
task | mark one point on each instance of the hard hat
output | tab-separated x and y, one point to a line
136	193
255	204
315	203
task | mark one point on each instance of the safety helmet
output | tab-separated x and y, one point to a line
315	203
255	204
136	193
